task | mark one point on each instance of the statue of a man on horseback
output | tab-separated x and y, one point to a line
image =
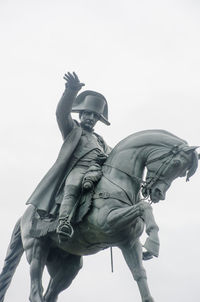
111	193
85	151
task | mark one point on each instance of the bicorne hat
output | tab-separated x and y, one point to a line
89	100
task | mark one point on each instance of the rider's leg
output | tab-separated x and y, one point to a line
72	191
62	270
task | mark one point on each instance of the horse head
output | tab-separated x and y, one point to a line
163	169
165	156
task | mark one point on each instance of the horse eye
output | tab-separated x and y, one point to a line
176	163
170	169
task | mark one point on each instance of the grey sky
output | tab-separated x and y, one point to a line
144	57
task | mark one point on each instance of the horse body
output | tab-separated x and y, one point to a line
117	216
109	221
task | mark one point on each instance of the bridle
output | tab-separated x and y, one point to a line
147	185
150	181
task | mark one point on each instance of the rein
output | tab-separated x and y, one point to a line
138	179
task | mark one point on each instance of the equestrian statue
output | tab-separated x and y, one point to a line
95	197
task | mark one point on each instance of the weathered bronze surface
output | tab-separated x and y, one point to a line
94	198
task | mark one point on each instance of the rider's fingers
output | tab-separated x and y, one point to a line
75	76
68	78
70	75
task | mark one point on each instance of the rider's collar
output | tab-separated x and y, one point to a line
85	132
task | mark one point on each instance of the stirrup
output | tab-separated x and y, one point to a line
65	229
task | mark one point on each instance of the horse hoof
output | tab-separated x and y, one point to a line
147	256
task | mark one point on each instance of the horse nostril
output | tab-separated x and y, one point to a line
160	194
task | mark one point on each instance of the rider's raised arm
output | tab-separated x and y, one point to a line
63	111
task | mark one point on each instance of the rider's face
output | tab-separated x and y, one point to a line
88	120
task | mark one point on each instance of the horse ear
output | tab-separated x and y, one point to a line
193	168
191	149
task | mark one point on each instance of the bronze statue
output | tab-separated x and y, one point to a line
112	212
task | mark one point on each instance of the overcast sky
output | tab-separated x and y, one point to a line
144	57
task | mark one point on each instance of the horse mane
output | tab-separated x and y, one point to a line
156	137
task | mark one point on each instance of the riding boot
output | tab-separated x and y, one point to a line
65	229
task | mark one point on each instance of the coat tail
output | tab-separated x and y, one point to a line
13	256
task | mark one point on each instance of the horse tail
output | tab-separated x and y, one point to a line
13	256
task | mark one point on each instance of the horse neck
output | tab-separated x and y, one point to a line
125	168
130	160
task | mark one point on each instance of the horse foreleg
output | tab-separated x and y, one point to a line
118	219
36	256
62	270
152	243
133	257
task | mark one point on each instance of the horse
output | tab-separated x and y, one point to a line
138	172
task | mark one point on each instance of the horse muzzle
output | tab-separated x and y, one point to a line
157	193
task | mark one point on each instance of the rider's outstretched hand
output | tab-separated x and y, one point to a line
72	81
